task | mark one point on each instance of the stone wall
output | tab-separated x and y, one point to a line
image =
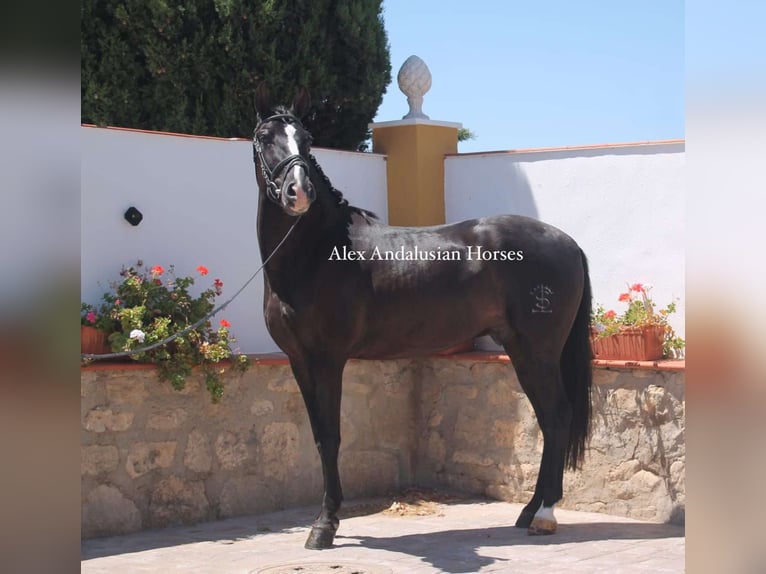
478	433
152	456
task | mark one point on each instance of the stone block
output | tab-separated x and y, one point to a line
126	390
106	512
463	392
391	421
147	456
396	387
168	419
102	419
645	481
500	394
175	501
198	456
230	450
348	430
192	387
471	458
470	426
624	470
368	473
91	386
504	433
244	495
464	482
678	478
356	386
283	383
98	459
278	450
507	493
294	407
605	377
261	407
436	451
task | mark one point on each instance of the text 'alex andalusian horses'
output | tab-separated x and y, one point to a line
344	285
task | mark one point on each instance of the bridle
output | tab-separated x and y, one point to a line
273	191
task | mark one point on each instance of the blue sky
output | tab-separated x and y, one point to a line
545	73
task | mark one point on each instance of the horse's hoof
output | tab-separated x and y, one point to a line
524	519
541	526
320	539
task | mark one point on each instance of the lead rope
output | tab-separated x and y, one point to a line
92	357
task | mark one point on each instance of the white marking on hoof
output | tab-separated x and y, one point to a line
544	522
546	513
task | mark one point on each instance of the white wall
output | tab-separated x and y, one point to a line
623	205
199	201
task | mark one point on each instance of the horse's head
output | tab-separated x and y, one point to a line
281	152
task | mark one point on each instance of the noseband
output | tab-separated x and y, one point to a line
273	191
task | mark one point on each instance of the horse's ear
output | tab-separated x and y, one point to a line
301	102
262	100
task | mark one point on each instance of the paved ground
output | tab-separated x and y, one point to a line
469	536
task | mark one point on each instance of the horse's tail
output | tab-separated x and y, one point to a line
576	372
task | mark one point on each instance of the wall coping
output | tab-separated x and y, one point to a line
219	138
414	122
605	146
477	356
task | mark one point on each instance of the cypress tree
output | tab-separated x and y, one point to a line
192	66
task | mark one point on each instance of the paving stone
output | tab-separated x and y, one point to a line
472	536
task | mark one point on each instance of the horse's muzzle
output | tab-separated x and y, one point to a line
298	194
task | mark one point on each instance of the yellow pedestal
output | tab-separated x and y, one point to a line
415	168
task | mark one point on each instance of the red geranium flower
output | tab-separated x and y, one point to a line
158	270
637	287
225	323
202	270
157	282
624	297
610	314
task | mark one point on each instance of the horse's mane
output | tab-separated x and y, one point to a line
336	193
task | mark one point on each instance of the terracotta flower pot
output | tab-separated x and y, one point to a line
632	344
93	341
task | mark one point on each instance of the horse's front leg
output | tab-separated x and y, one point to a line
320	382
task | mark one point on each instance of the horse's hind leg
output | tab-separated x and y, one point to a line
539	374
320	383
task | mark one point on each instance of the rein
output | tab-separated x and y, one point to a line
273	191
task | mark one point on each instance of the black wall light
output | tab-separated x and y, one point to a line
133	216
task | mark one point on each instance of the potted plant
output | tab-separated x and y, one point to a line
641	333
94	329
149	305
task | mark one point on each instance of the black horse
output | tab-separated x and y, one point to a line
344	285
